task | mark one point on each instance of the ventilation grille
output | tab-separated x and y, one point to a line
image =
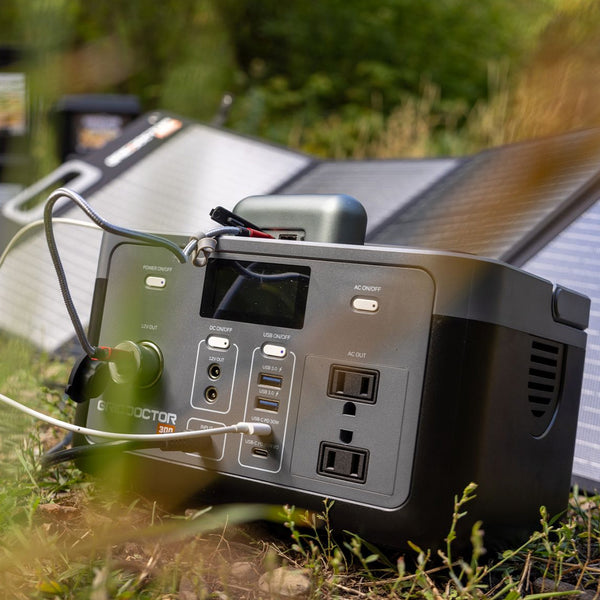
543	385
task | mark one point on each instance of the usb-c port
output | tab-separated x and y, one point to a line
260	452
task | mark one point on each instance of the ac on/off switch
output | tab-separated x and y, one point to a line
362	304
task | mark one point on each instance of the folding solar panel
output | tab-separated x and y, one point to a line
573	258
383	186
534	205
503	202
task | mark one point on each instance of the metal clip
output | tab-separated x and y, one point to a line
202	251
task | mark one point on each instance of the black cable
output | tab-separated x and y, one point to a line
248	273
107	449
83	452
62	444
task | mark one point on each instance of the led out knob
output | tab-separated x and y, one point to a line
142	364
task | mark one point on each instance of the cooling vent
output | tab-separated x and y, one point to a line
543	385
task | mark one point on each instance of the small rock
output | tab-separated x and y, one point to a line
57	511
541	585
285	582
242	572
187	589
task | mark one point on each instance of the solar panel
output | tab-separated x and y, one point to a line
573	258
498	201
382	186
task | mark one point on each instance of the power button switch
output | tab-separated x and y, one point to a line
362	304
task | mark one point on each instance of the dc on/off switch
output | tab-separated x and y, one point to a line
218	342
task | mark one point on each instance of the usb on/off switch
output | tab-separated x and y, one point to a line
274	350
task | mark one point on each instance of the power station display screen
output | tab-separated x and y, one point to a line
255	292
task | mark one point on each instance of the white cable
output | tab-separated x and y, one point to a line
260	429
40	223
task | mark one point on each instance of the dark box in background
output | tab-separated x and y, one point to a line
86	122
13	116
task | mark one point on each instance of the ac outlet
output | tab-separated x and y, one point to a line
353	442
353	383
343	462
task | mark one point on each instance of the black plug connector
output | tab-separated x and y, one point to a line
88	379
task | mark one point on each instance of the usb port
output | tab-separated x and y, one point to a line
270	380
260	452
266	404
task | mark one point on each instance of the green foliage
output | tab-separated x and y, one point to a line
23	484
354	51
302	62
330	77
559	560
179	53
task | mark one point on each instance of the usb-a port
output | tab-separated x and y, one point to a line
266	404
270	380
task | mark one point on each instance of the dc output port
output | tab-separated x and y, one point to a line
210	394
214	371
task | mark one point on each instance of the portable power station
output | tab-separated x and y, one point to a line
390	377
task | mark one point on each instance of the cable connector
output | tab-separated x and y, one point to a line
225	217
140	363
199	248
110	354
228	219
87	380
260	429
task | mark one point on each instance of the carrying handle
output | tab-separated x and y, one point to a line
28	205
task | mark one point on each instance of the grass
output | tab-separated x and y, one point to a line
66	536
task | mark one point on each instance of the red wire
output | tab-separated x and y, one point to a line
258	234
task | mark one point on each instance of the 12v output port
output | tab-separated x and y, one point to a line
211	394
214	371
